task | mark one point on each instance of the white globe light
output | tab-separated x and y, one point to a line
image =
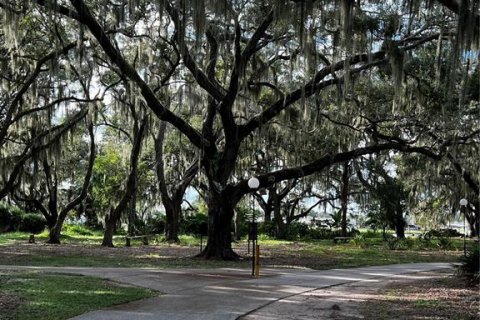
253	183
463	202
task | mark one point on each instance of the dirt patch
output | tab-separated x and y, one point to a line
292	255
8	304
337	302
424	295
440	296
19	253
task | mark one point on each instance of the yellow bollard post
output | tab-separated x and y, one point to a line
257	260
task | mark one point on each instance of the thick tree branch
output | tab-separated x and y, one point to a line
317	83
210	86
38	145
86	17
54	6
26	85
86	181
326	161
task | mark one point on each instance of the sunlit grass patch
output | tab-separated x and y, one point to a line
59	296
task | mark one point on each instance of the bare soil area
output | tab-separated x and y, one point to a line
293	255
166	251
8	305
440	296
424	295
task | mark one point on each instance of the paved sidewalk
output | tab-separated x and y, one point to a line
224	293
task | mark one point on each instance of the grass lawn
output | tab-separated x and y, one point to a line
33	295
82	248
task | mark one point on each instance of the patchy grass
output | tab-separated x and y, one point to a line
32	295
442	296
85	250
326	255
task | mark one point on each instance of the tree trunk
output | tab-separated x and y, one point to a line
114	216
400	231
54	235
173	203
400	223
110	224
172	220
473	223
268	214
220	215
280	226
238	221
132	215
344	199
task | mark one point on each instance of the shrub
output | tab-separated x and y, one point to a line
399	244
267	228
470	266
443	233
195	224
321	234
32	222
371	234
10	217
296	230
265	237
324	234
360	241
77	229
353	232
424	243
444	243
155	225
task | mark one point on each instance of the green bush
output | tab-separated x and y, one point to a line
297	230
441	233
328	234
195	224
155	225
267	228
32	222
398	243
424	243
322	234
10	217
444	243
360	241
470	266
371	234
77	229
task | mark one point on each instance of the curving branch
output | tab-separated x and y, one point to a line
202	79
268	179
86	18
63	10
83	193
16	101
311	88
317	83
38	145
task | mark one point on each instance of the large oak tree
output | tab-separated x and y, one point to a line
245	65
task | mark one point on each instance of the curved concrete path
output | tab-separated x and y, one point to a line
225	293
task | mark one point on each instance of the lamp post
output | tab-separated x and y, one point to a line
463	204
253	184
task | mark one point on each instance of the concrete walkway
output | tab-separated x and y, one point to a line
224	293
